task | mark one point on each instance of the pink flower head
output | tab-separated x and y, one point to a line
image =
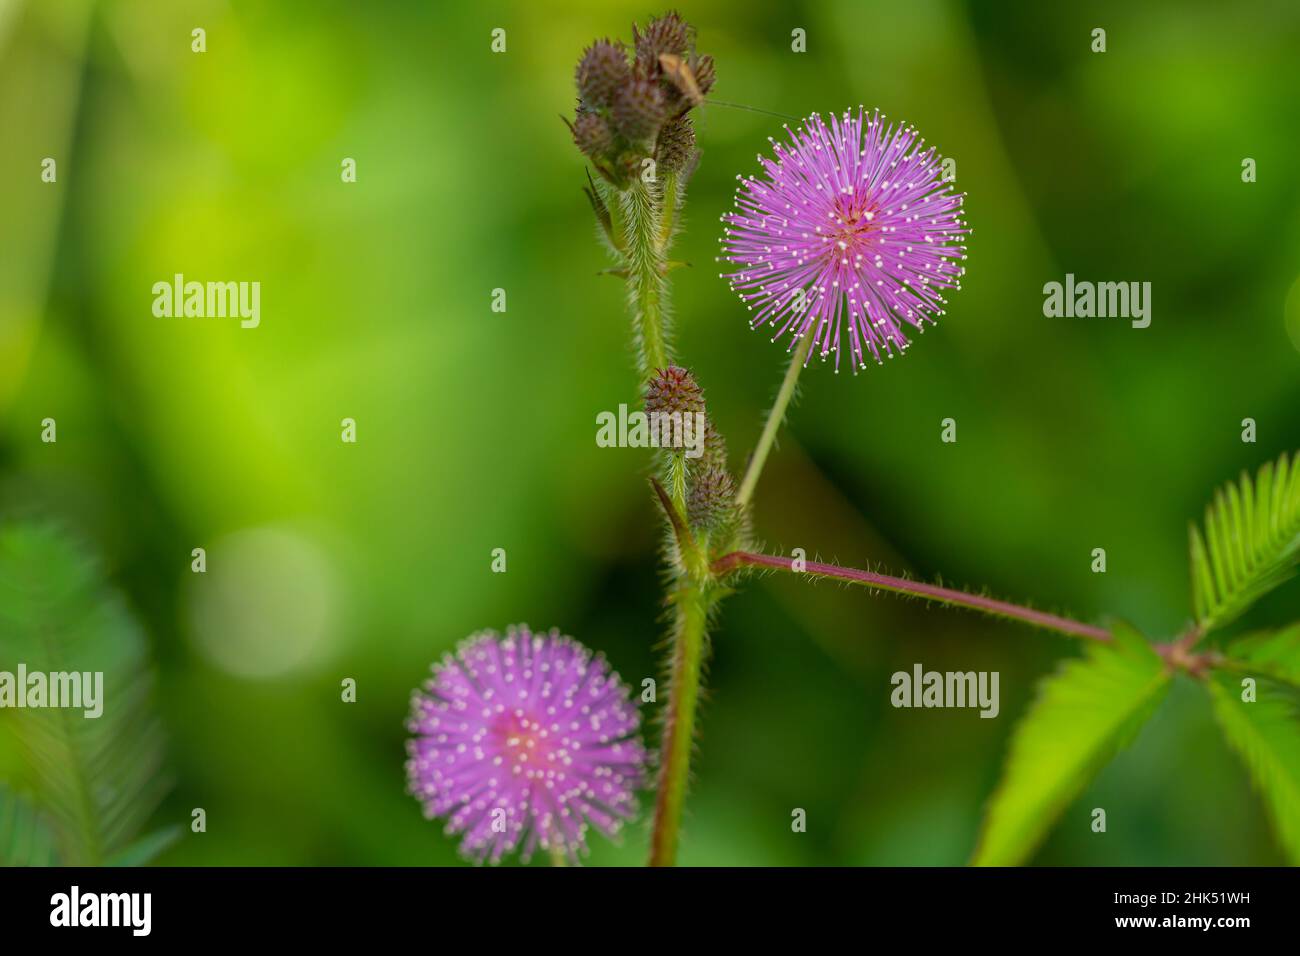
524	740
853	221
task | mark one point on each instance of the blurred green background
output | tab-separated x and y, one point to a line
476	429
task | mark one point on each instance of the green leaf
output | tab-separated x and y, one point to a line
1251	543
1082	716
1274	654
25	838
95	779
1266	734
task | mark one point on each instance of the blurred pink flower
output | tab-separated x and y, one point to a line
525	740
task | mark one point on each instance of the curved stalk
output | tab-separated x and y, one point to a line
932	592
774	419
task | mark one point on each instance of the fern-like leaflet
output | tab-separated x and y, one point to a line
1250	545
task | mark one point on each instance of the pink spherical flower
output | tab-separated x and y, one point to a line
526	740
852	225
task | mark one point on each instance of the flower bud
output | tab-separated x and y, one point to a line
715	451
668	34
592	134
711	503
705	74
673	390
676	146
636	99
602	71
638	110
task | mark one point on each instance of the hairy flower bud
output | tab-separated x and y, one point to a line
668	34
715	451
635	99
638	110
602	71
711	502
676	146
705	74
592	134
673	390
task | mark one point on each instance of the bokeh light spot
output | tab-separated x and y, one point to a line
267	606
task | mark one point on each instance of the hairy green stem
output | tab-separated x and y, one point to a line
617	224
690	620
677	481
668	217
774	419
932	592
647	288
648	219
